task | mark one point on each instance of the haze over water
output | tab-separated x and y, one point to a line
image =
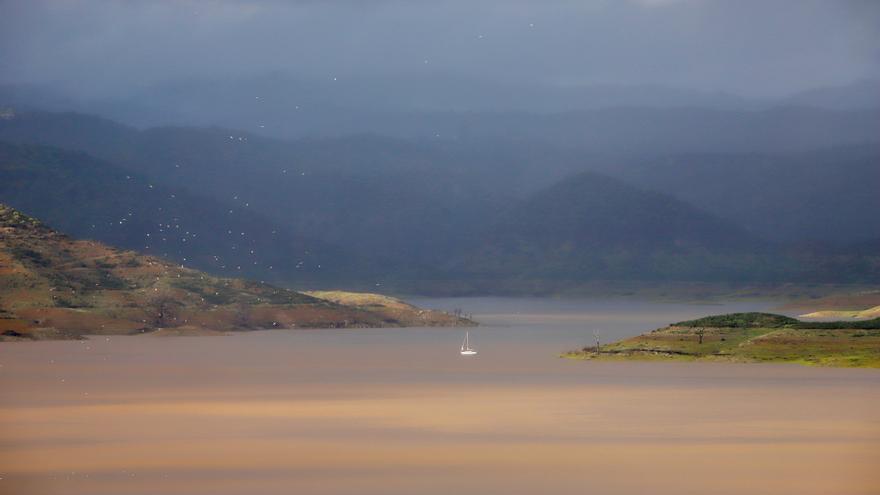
398	411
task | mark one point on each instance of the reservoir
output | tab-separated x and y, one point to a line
400	411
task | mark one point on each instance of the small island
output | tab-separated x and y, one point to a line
751	337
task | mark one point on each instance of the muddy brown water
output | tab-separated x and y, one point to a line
399	411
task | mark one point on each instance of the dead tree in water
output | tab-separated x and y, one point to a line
457	314
598	347
700	331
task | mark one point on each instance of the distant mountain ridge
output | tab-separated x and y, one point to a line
591	226
590	116
827	195
857	95
211	101
94	199
387	199
379	211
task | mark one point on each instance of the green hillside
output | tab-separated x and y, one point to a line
752	337
52	286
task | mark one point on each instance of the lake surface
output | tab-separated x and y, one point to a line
398	411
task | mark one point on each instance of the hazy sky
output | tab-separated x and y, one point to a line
754	48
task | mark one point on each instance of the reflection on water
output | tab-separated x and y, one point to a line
399	411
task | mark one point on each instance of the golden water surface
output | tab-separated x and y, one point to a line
398	411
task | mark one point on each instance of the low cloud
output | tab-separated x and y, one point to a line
766	48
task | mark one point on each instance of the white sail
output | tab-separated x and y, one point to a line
466	349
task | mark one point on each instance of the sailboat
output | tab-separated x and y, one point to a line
466	349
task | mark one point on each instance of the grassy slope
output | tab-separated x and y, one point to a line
390	307
52	286
873	312
752	337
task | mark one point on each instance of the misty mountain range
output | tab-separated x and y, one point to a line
775	194
279	105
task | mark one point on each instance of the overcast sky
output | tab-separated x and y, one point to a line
753	48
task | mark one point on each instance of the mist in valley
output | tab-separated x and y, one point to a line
455	147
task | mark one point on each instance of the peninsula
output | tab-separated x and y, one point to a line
751	337
55	287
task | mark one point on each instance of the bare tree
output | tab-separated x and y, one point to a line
241	316
457	314
598	347
700	331
162	311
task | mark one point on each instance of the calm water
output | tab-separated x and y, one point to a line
398	411
553	325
